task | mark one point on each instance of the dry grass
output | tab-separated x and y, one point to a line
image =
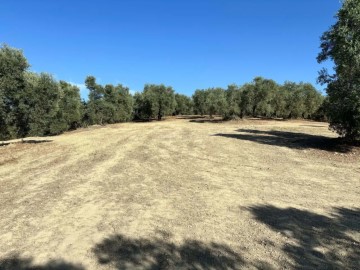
252	194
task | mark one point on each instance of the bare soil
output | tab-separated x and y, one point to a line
181	194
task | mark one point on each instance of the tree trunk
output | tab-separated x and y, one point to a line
159	112
253	111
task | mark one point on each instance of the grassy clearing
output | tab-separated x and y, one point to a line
186	194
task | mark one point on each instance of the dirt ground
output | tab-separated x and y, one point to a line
181	194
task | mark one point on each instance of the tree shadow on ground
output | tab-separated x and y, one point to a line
321	242
18	263
122	252
36	141
33	141
315	126
202	121
266	118
295	140
189	117
4	144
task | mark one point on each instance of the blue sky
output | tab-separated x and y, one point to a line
188	44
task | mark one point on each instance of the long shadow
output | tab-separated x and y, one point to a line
36	141
321	242
121	252
18	263
295	140
189	117
4	144
315	126
202	121
266	118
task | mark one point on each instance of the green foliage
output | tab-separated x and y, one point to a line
312	100
233	98
211	101
246	100
142	107
341	44
69	113
260	98
184	105
43	104
199	100
322	112
4	132
34	104
37	105
13	66
124	104
96	111
296	99
216	102
107	104
159	100
264	90
280	103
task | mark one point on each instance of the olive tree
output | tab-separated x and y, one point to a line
160	98
13	110
341	44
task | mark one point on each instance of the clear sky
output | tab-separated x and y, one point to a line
188	44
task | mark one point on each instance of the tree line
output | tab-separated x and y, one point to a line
34	104
261	98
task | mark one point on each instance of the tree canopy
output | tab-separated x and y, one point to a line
36	104
13	116
107	104
157	101
341	44
183	105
